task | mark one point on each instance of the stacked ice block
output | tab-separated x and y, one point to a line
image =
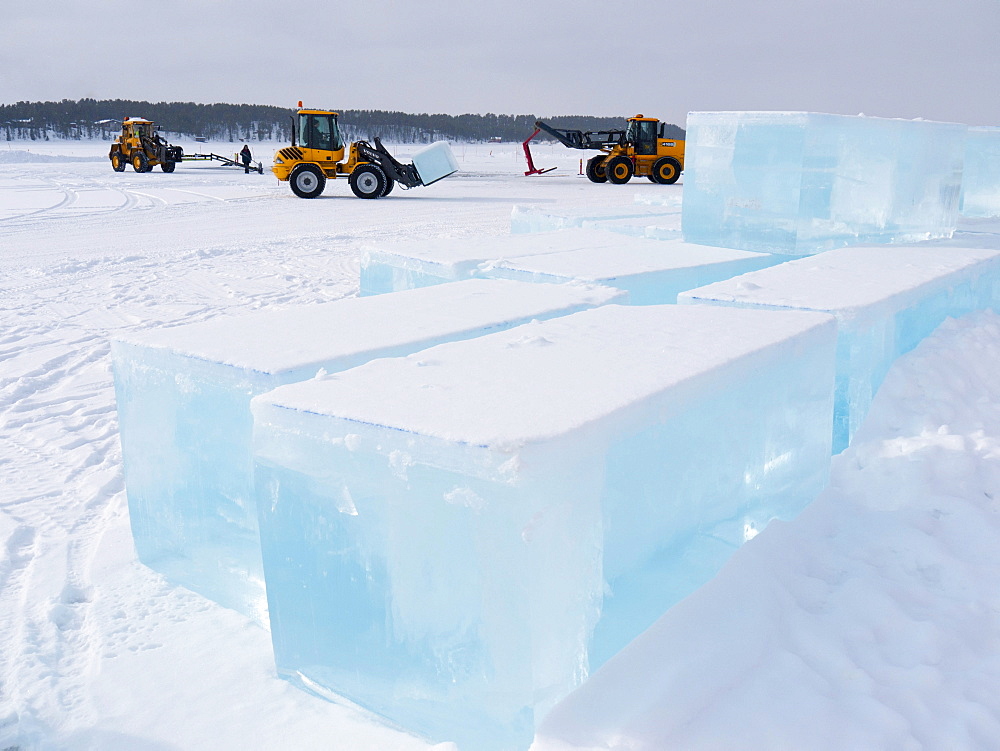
427	262
627	220
184	409
651	272
885	300
797	183
981	176
453	539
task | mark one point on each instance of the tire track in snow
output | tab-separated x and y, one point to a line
21	547
74	452
59	427
64	493
133	199
69	196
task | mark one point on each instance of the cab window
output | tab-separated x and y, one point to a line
319	132
643	134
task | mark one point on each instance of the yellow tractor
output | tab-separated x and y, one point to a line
641	150
141	146
319	152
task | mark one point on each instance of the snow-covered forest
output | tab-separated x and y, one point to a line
98	119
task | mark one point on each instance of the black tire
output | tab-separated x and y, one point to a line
118	162
651	178
666	170
168	166
619	170
368	181
139	162
595	169
389	185
307	181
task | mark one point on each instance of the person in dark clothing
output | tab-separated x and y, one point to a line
247	158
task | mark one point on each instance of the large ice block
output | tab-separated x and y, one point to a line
885	300
981	174
797	183
435	162
184	409
421	263
453	539
652	272
626	219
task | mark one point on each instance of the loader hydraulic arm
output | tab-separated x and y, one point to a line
600	140
580	139
405	174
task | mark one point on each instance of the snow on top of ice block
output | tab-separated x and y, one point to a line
546	379
478	249
626	259
282	340
845	280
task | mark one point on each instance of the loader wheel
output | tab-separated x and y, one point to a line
666	170
307	181
139	162
118	162
595	170
368	181
389	185
168	166
619	170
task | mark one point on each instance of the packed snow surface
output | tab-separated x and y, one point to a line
871	621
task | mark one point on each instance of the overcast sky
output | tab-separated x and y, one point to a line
892	58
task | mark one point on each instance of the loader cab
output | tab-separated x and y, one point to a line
319	130
135	127
641	133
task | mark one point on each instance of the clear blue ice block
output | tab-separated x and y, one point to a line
797	183
435	162
885	299
422	263
626	219
651	271
455	538
981	175
184	395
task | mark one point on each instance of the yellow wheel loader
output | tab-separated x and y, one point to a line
319	153
141	146
640	150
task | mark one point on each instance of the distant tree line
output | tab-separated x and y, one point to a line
92	118
100	119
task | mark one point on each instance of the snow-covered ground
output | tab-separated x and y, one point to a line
870	622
